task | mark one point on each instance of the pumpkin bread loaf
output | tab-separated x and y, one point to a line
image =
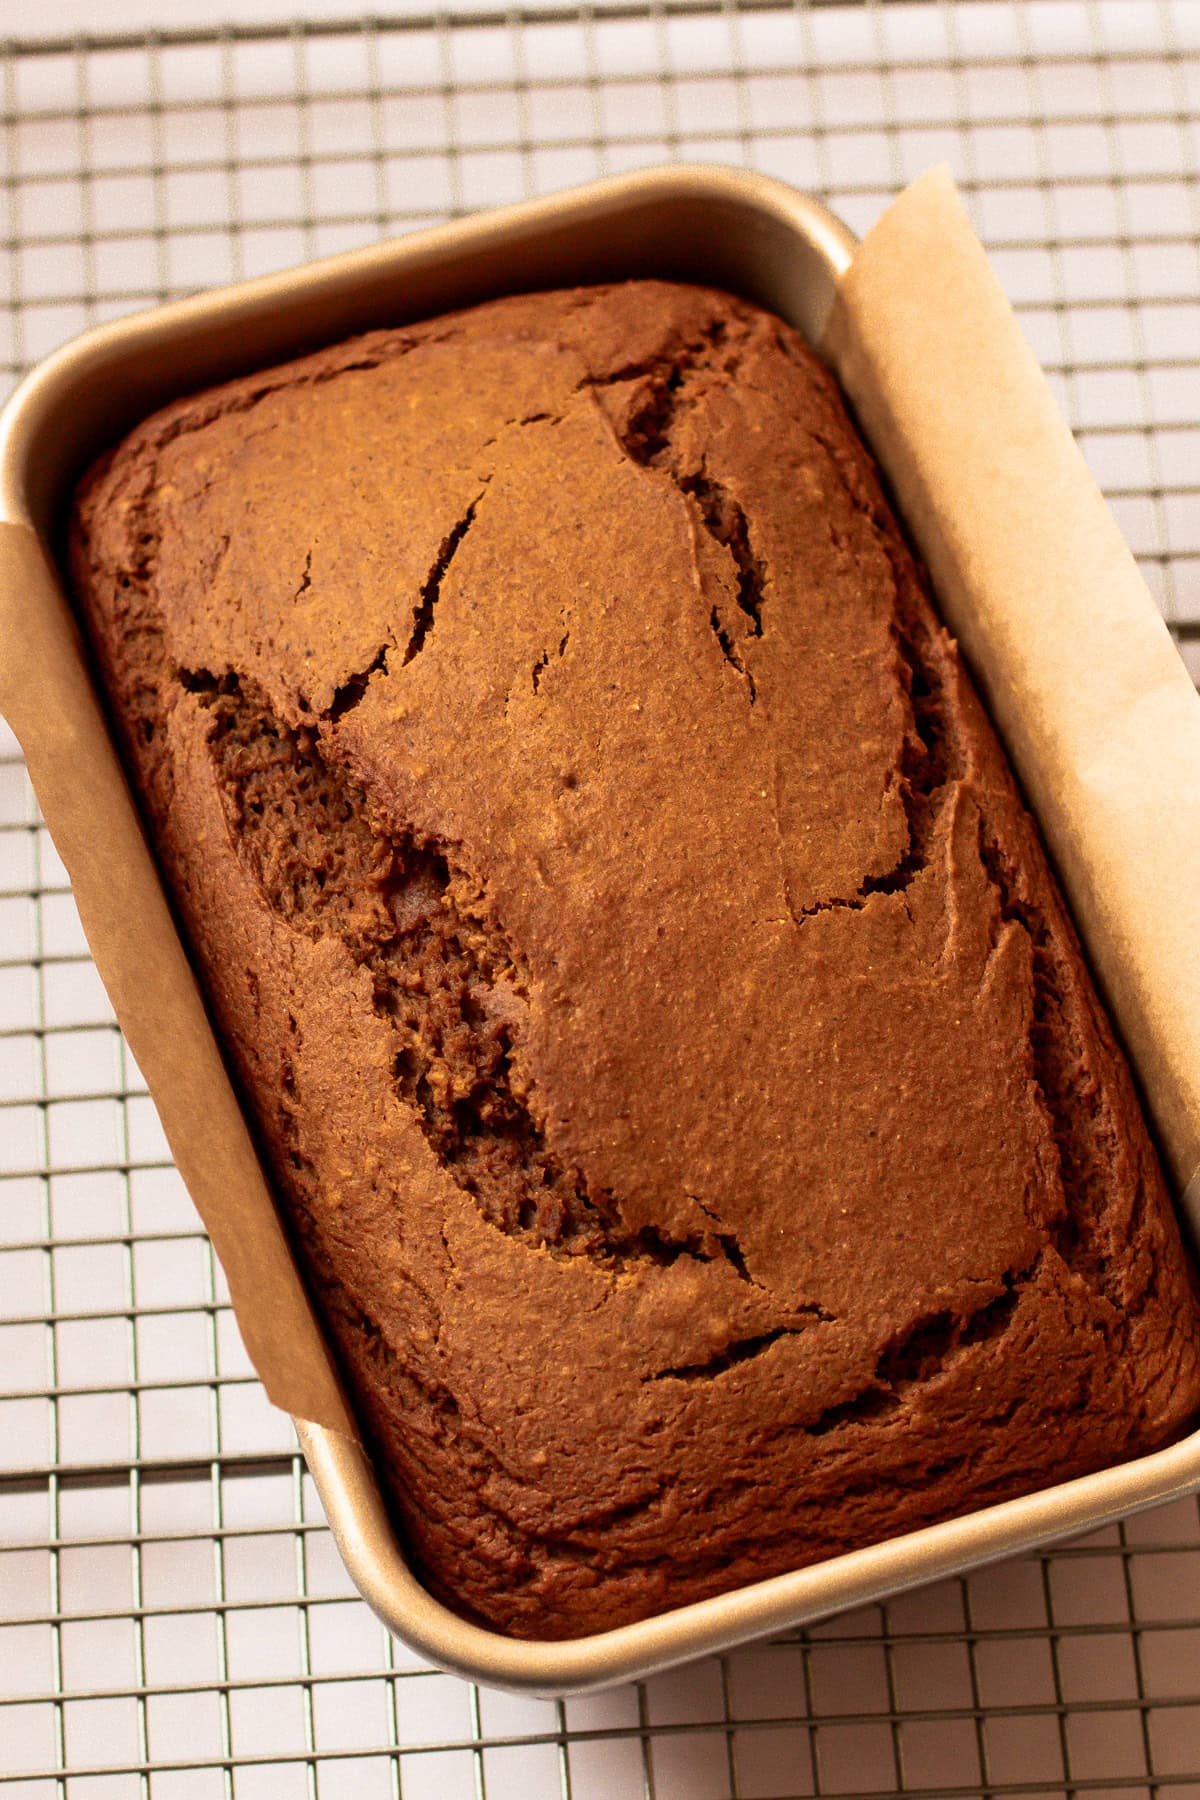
695	1118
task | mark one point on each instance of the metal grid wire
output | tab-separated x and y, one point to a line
174	1620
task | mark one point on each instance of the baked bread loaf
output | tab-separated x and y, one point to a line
695	1117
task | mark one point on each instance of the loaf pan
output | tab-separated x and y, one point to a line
749	234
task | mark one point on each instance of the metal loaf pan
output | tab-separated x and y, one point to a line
746	233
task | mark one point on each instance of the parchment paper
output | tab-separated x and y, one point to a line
1031	573
48	699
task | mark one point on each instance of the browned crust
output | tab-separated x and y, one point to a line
670	1044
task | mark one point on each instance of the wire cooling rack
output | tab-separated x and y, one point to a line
174	1621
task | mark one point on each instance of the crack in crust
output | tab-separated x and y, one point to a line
911	1360
347	696
930	768
648	438
444	978
352	691
931	760
725	520
740	1351
431	591
926	1350
1069	1093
